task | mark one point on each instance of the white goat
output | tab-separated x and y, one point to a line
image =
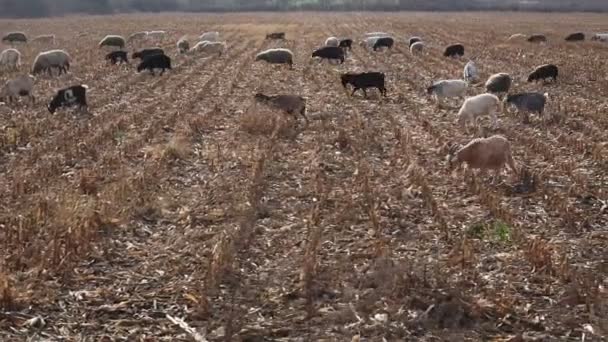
490	153
44	39
332	41
208	47
17	87
447	88
479	105
602	37
369	42
10	58
212	36
471	74
183	45
137	36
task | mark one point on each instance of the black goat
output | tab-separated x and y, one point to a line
454	50
141	54
116	56
363	81
155	62
346	44
537	38
330	52
575	37
544	72
414	40
74	95
384	42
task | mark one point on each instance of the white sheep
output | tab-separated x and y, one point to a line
332	41
209	48
602	37
137	36
212	36
369	42
479	105
276	56
447	88
417	47
10	58
490	153
113	41
183	45
44	39
517	37
19	86
470	73
46	61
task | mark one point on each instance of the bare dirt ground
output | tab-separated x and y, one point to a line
178	198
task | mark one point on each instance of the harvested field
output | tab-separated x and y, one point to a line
180	198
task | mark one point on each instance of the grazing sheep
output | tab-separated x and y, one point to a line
116	56
276	56
17	87
332	41
70	96
157	34
291	104
346	43
517	37
113	41
417	47
183	45
369	42
10	58
600	37
141	54
537	38
212	36
330	53
528	103
276	35
363	81
137	36
386	42
479	105
414	40
14	37
48	60
543	72
447	88
210	48
491	153
454	50
153	62
575	37
470	73
499	83
44	39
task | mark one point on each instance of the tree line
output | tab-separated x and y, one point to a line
45	8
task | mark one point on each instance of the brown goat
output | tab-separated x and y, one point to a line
291	104
484	154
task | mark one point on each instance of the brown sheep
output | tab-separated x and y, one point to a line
291	104
490	153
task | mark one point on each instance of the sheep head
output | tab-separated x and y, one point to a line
452	156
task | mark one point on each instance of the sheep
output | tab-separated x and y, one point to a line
207	47
447	88
116	56
346	43
46	61
276	56
363	81
137	36
330	53
479	105
527	102
19	86
517	37
290	104
276	35
183	45
454	50
417	47
10	58
45	39
369	42
384	42
491	153
537	38
575	37
499	83
470	73
155	62
143	53
69	96
332	41
213	36
414	40
601	37
543	72
113	41
157	34
14	37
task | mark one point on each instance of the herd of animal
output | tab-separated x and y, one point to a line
481	153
